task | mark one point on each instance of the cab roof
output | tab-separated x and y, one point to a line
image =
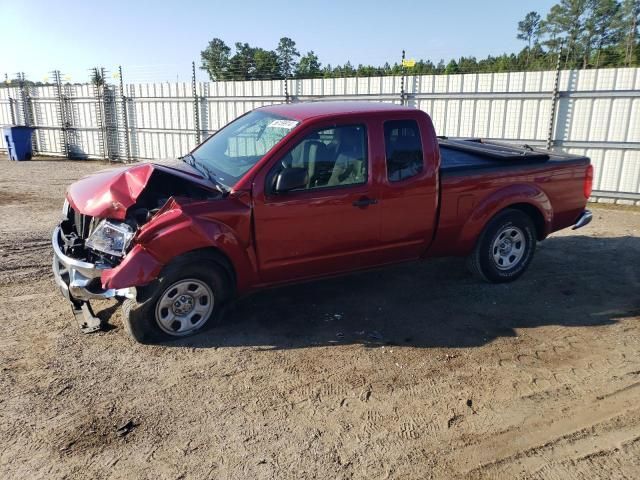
307	110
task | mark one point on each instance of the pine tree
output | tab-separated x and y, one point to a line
287	54
528	30
605	14
309	66
566	21
629	19
215	59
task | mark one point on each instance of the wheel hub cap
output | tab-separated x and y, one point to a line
184	307
508	248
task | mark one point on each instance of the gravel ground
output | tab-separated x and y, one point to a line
415	371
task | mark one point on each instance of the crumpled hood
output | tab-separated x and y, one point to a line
109	193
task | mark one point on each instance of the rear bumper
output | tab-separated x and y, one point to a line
583	220
79	281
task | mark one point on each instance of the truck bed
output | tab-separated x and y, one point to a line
462	154
472	170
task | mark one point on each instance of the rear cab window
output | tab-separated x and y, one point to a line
403	147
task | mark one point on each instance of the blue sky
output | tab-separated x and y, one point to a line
158	40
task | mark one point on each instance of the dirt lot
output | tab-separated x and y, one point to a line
416	371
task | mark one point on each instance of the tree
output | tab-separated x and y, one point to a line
266	64
215	59
467	65
348	70
242	64
97	77
605	14
629	19
287	55
566	20
309	66
452	67
529	30
586	32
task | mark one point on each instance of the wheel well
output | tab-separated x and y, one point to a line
534	214
218	257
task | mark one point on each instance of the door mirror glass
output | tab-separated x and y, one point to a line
291	178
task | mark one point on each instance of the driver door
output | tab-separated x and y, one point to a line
329	225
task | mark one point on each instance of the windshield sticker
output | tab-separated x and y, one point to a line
288	124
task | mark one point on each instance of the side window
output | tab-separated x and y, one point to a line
333	157
404	149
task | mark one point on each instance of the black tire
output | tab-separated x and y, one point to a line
139	315
483	263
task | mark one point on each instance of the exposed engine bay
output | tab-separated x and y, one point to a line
104	241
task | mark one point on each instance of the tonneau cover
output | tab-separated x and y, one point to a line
474	153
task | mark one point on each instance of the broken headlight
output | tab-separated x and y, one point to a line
110	237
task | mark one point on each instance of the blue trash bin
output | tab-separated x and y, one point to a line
18	140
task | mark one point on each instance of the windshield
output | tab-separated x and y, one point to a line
232	151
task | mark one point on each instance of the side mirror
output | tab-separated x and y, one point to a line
290	179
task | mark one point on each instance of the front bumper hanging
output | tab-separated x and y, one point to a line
79	282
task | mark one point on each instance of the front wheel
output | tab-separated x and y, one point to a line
505	247
186	298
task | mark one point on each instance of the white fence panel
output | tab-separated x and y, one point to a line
597	113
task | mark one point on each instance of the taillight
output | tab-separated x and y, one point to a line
588	181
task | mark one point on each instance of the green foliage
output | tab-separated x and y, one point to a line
309	66
529	31
628	30
592	31
215	59
452	67
242	64
587	34
97	77
529	28
266	64
287	55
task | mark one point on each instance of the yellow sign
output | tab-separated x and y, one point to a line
408	63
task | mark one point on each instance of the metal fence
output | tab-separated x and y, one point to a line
591	112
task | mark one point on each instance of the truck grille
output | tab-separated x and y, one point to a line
82	224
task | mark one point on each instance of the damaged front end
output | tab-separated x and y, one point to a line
78	269
97	234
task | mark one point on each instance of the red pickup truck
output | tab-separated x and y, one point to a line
298	191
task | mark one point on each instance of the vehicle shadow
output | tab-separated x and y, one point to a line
574	281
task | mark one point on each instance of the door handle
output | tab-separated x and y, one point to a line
364	202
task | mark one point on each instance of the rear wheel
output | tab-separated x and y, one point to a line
505	247
186	298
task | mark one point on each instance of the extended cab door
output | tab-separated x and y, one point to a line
330	224
409	185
